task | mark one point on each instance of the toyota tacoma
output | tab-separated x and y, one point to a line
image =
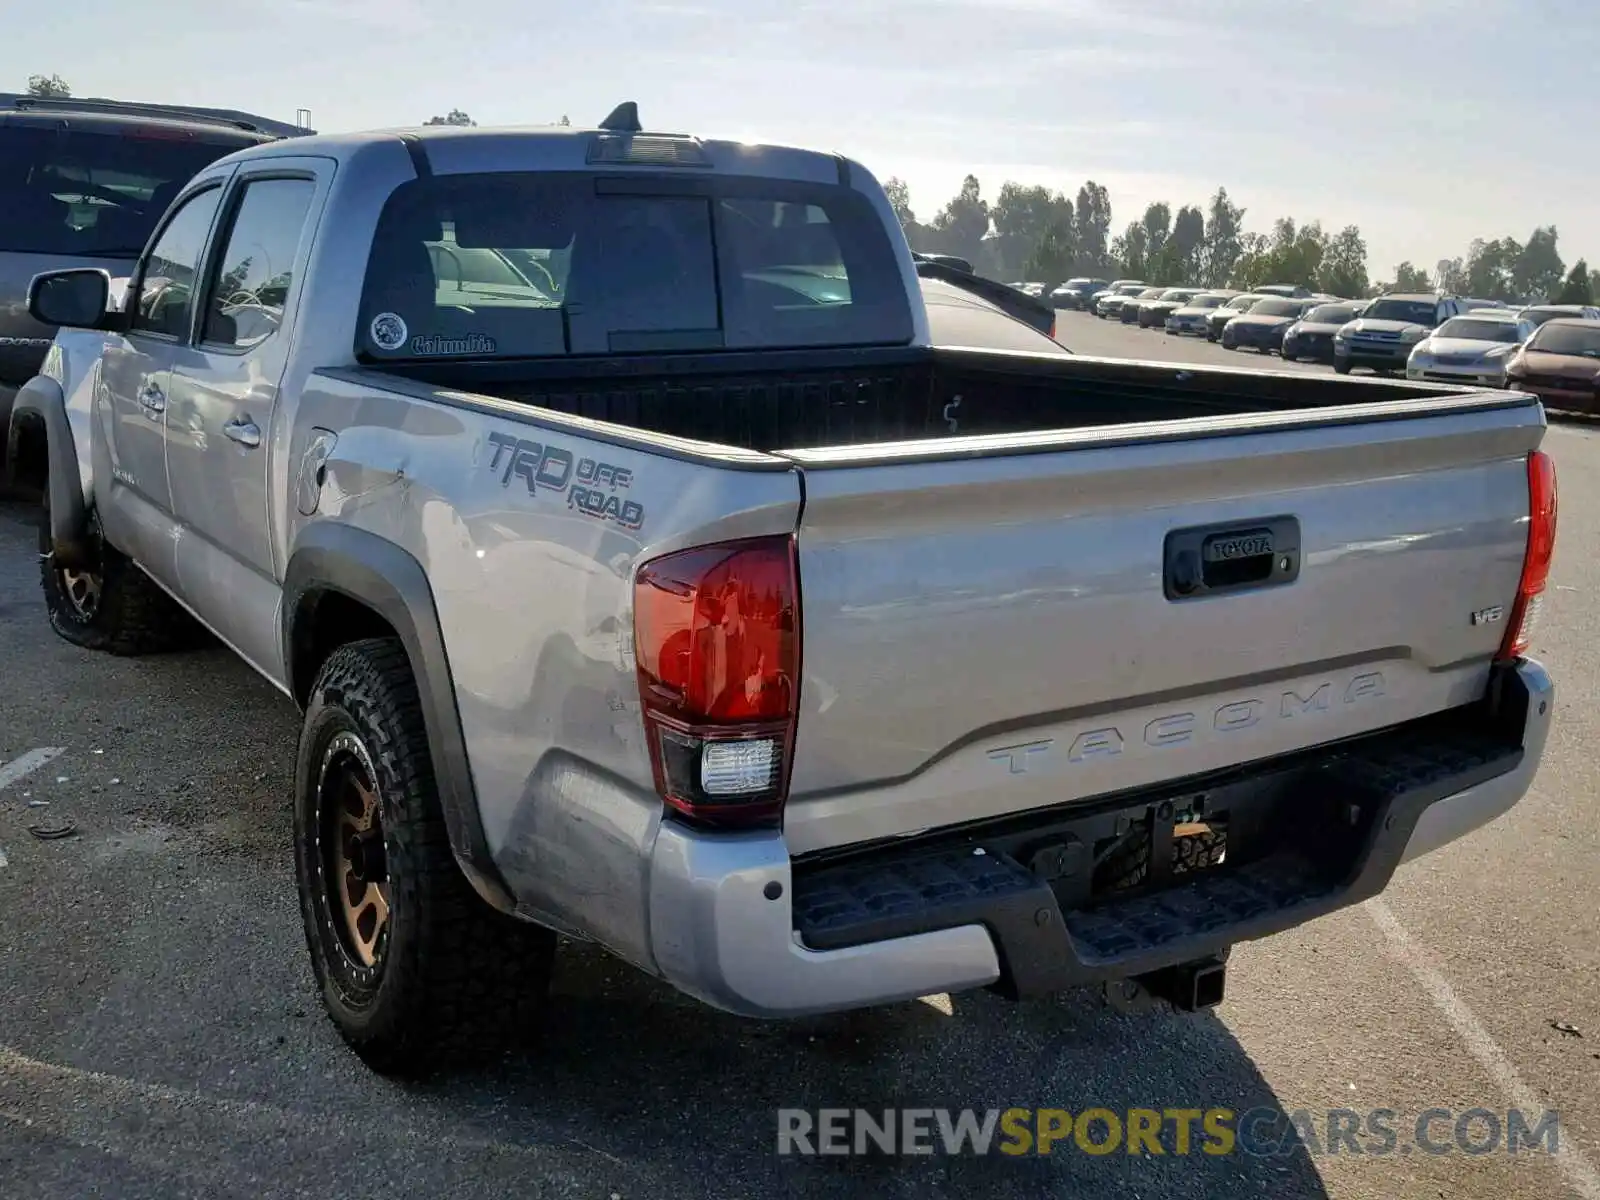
646	575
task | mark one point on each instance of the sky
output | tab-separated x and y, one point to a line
1425	122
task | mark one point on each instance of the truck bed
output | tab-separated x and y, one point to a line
809	400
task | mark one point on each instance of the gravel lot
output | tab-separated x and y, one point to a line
159	1036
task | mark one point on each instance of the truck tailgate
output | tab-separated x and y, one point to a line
998	624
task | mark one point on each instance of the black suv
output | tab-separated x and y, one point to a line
82	184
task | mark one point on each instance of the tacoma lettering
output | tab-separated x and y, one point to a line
1318	701
1183	728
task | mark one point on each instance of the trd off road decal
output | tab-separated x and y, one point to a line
590	486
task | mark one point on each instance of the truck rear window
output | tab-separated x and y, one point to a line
94	194
515	265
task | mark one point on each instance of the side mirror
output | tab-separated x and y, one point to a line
78	299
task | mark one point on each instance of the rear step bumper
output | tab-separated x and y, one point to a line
738	925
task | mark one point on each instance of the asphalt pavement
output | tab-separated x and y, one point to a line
160	1037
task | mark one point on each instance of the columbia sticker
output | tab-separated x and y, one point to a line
388	331
471	343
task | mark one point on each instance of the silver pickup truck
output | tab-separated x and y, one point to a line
647	575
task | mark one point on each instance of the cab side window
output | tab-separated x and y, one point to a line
256	266
167	285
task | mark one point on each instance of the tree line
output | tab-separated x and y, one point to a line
457	117
53	87
1034	233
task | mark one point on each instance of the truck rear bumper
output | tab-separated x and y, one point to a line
1021	904
1529	690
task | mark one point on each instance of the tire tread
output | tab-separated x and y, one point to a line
472	978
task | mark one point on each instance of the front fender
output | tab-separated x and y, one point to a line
41	400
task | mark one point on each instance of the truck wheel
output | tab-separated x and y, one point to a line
111	604
1341	366
415	969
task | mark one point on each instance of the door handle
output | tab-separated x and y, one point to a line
244	431
1211	559
152	399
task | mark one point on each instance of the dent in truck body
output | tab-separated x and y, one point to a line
720	938
533	600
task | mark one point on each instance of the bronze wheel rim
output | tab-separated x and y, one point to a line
354	861
82	591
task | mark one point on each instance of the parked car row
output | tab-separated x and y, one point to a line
1077	293
1447	338
1260	319
1429	337
1264	324
1551	350
1216	319
1109	303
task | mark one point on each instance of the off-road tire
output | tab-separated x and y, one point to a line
132	616
456	979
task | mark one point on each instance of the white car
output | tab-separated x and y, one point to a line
1471	348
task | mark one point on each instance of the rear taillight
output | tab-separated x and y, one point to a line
717	637
1536	562
1052	329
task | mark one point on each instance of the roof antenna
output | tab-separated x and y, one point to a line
624	118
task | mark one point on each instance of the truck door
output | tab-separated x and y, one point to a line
224	391
136	376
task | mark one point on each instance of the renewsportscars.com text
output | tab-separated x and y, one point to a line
1259	1132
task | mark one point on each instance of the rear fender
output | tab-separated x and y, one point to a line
329	557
